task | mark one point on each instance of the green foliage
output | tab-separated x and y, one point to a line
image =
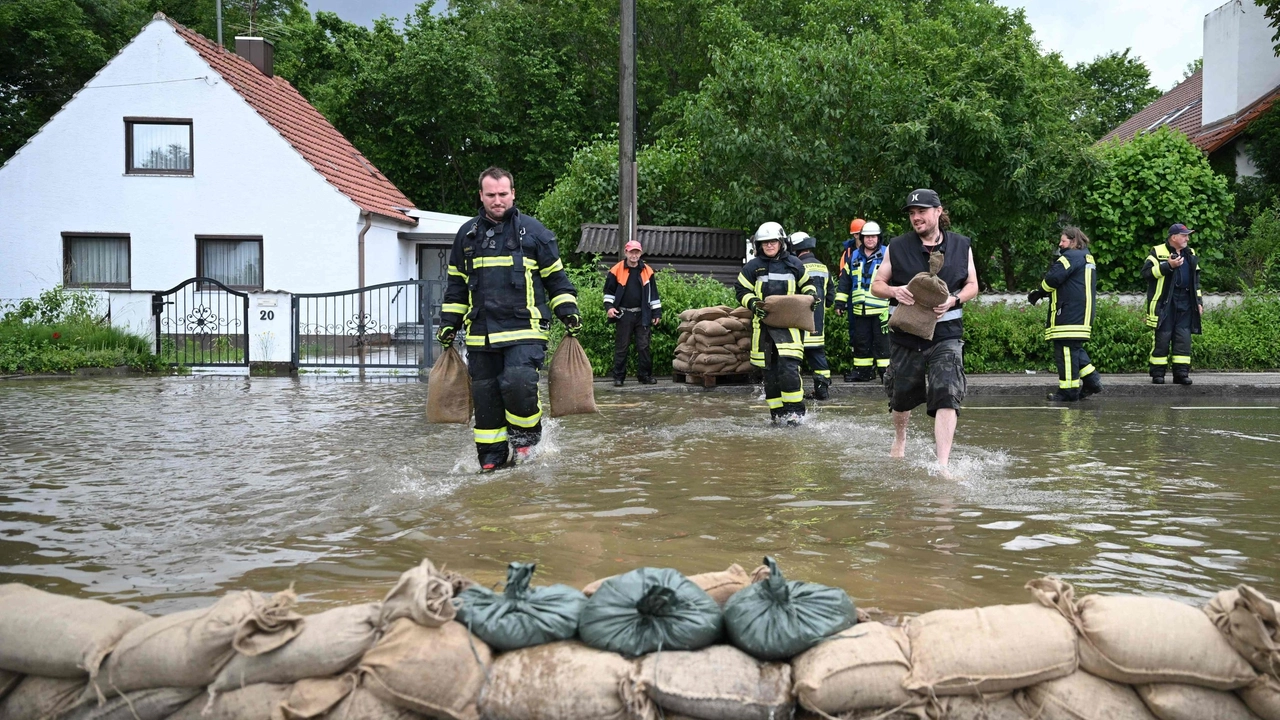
1263	144
1144	186
60	332
1116	87
1244	337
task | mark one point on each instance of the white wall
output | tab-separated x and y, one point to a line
1240	64
247	181
270	327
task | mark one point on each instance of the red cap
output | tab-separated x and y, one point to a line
633	245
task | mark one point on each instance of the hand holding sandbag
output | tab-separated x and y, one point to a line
789	311
521	616
775	619
449	390
919	319
650	609
570	380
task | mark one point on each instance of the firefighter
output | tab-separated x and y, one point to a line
815	343
631	302
505	281
1174	304
1071	284
868	314
775	271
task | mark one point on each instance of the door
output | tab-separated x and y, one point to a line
433	267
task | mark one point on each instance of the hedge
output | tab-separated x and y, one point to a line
999	337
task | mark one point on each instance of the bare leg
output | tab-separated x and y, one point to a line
899	448
944	431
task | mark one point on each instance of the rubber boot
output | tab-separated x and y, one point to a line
862	375
1065	395
1181	375
1090	384
1157	379
821	389
848	377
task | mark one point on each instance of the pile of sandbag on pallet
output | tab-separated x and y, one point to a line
647	644
714	341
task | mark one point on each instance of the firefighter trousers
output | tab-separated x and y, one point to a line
504	389
1173	332
782	389
870	342
1075	369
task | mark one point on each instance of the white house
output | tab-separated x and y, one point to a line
180	158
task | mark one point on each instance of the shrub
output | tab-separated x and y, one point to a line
60	332
1244	337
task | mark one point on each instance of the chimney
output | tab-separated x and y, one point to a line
1240	65
258	51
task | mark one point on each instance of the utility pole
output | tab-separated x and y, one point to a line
627	126
220	24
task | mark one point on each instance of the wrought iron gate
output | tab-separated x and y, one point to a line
201	322
391	325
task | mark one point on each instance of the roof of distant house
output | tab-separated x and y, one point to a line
676	242
303	127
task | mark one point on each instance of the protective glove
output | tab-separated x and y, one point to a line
1036	296
446	334
572	324
756	306
840	308
811	291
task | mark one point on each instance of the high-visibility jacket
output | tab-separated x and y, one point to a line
1160	282
762	277
615	283
505	280
1072	284
854	288
825	296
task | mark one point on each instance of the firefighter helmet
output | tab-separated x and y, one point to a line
871	228
770	231
855	225
801	241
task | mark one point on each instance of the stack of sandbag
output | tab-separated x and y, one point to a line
714	341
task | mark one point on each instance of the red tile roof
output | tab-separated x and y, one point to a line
303	127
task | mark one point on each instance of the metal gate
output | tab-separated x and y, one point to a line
201	322
391	325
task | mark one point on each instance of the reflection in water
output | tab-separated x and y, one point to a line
165	492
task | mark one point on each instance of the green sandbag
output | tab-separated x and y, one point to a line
648	610
521	616
775	619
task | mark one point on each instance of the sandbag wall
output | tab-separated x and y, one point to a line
714	341
251	656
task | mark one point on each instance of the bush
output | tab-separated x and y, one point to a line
1244	337
60	332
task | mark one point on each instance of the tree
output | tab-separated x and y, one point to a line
1115	87
1271	9
1144	186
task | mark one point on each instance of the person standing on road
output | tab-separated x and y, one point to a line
631	301
775	271
815	343
927	371
1174	304
1071	284
505	280
868	314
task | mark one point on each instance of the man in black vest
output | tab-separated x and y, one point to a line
927	371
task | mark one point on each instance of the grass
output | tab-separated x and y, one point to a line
27	347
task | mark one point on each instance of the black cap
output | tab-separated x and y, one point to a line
923	197
1179	229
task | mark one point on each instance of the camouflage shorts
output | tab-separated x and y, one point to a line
934	375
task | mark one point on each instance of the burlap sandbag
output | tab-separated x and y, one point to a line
56	636
717	683
744	343
187	649
1177	701
741	313
436	671
570	381
684	337
253	701
1251	624
314	697
743	366
710	313
919	319
329	643
1141	640
734	325
710	328
37	698
8	681
680	365
1081	696
449	390
423	594
789	311
1263	697
686	326
987	707
151	704
860	668
986	650
563	681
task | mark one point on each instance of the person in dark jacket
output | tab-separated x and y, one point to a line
927	371
505	281
631	300
815	343
775	271
1174	304
1071	284
868	314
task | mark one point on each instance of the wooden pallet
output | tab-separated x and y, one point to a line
710	380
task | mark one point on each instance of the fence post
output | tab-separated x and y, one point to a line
293	334
428	335
246	329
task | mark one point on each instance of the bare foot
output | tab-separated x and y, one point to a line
899	449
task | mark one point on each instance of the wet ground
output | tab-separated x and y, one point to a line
163	492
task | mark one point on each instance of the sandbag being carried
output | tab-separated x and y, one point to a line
563	681
449	389
717	683
436	671
36	698
789	311
56	636
1176	701
649	609
252	701
919	319
570	381
329	643
1251	624
521	616
150	704
861	668
1081	696
188	649
775	619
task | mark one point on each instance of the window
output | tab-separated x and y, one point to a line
98	260
158	146
233	261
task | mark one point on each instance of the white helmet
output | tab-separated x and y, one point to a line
769	231
870	228
801	241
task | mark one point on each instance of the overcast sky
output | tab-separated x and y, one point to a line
1166	34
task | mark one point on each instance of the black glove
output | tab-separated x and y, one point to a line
446	334
1036	296
811	291
756	306
572	324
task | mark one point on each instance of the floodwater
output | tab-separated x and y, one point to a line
165	492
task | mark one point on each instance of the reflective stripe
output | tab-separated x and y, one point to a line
455	271
780	277
610	298
742	280
790	351
1158	360
822	373
491	436
774	403
1181	359
793	397
1087	370
862	362
510	335
454	308
954	314
748	298
524	422
882	362
1045	286
546	271
502	261
561	299
842	297
1065	262
655	304
1062	332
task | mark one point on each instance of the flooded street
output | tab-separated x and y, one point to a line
163	492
